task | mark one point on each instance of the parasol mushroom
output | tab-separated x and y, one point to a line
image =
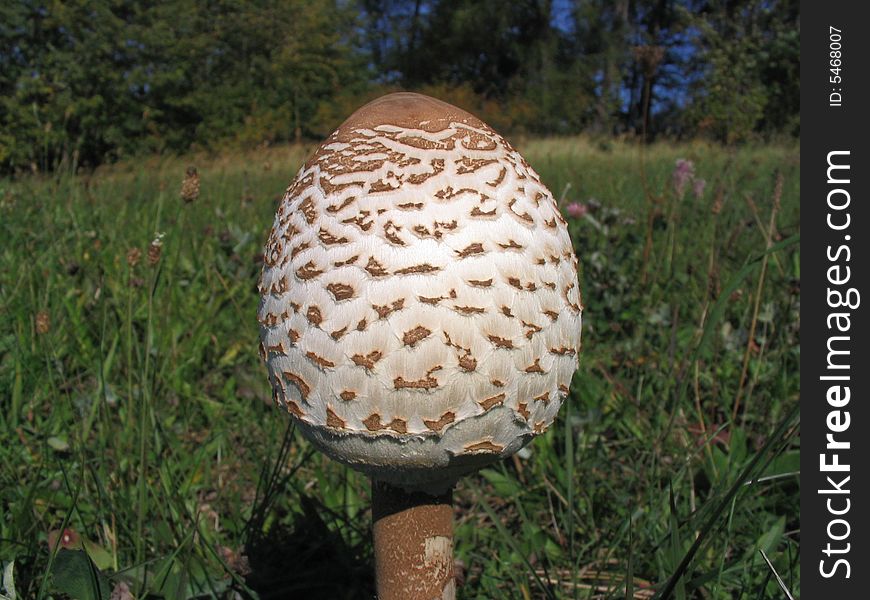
420	316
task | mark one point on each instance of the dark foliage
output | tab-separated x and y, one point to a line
86	82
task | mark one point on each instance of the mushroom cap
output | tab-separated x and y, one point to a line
420	311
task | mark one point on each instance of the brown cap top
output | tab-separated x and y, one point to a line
407	109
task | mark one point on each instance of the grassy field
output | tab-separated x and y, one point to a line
136	419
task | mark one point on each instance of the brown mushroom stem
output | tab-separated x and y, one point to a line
413	539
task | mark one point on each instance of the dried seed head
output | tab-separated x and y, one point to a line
190	185
649	58
777	191
43	322
155	249
134	255
719	201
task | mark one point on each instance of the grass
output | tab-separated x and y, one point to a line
136	415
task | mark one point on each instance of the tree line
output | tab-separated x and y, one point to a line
83	82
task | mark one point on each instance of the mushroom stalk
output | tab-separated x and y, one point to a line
413	540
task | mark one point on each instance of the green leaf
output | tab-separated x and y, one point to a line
7	581
58	444
73	573
505	486
102	558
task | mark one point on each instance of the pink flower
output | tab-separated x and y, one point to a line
68	538
121	591
683	173
577	210
698	187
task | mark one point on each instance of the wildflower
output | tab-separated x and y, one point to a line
134	255
698	187
577	210
67	538
43	322
155	249
684	172
235	560
121	591
190	185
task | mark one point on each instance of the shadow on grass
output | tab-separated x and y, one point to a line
307	558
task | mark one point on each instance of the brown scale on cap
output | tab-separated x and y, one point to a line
497	181
340	291
475	248
335	208
467	362
373	422
333	420
398	425
490	402
276	349
348	261
500	342
477	212
532	329
523	409
411	206
480	283
424	268
307	208
411	337
300	384
469	310
376	269
368	361
329	239
308	271
534	367
314	316
391	232
563	351
319	360
524	216
385	310
425	383
360	221
447	418
484	446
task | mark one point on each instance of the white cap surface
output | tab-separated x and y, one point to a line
420	311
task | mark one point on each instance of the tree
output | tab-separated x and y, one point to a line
749	54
